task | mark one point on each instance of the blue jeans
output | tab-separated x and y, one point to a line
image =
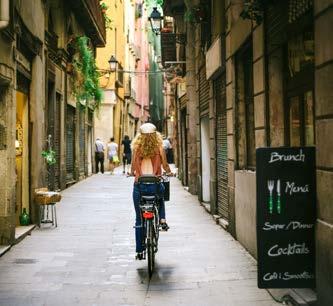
142	189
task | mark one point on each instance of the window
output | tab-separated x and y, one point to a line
301	120
246	150
300	52
294	121
300	75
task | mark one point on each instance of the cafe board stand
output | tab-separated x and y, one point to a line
286	214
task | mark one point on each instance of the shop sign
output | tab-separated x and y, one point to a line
286	210
214	59
168	47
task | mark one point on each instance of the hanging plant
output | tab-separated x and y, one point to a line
49	156
253	10
108	22
86	77
197	14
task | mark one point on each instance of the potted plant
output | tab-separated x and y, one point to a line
104	7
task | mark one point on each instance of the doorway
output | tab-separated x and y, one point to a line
205	159
22	154
183	130
89	150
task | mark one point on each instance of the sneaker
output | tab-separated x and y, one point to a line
164	226
139	256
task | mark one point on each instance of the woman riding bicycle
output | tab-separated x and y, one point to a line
148	159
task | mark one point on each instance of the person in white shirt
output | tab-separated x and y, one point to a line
112	154
99	154
166	144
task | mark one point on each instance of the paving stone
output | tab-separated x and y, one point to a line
89	258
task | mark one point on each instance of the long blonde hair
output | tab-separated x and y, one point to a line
147	144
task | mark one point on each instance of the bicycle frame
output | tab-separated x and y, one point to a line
149	206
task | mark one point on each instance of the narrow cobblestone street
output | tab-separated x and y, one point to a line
89	258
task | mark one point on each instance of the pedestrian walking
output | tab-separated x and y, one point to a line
99	154
148	159
127	153
112	154
166	144
169	153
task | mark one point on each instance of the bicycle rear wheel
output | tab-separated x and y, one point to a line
150	247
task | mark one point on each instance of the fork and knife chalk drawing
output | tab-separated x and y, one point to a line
270	186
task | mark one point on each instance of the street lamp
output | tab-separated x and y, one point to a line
113	63
156	21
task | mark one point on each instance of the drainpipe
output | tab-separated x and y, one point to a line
4	13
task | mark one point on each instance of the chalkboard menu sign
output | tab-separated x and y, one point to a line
286	210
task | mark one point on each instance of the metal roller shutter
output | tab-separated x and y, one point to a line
70	143
183	101
50	131
203	92
82	142
53	129
221	148
56	141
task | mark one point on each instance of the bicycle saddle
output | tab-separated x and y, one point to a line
152	179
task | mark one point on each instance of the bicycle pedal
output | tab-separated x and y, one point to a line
163	228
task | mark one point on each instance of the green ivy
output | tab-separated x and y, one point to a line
49	156
153	3
108	22
86	78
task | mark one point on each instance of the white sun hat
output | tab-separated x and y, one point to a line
147	128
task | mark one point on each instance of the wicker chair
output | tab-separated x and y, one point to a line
47	201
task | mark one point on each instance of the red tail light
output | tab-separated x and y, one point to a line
148	214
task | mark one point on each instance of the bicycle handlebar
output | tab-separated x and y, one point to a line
160	176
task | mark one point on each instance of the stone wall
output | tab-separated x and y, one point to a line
324	144
238	31
245	210
34	15
7	154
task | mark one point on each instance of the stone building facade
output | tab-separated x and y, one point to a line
36	101
266	84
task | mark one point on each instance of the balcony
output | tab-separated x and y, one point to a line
89	13
173	7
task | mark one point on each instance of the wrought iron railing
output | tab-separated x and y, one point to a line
96	12
89	13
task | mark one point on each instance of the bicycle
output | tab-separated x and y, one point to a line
150	223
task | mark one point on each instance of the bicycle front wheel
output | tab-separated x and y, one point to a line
150	247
